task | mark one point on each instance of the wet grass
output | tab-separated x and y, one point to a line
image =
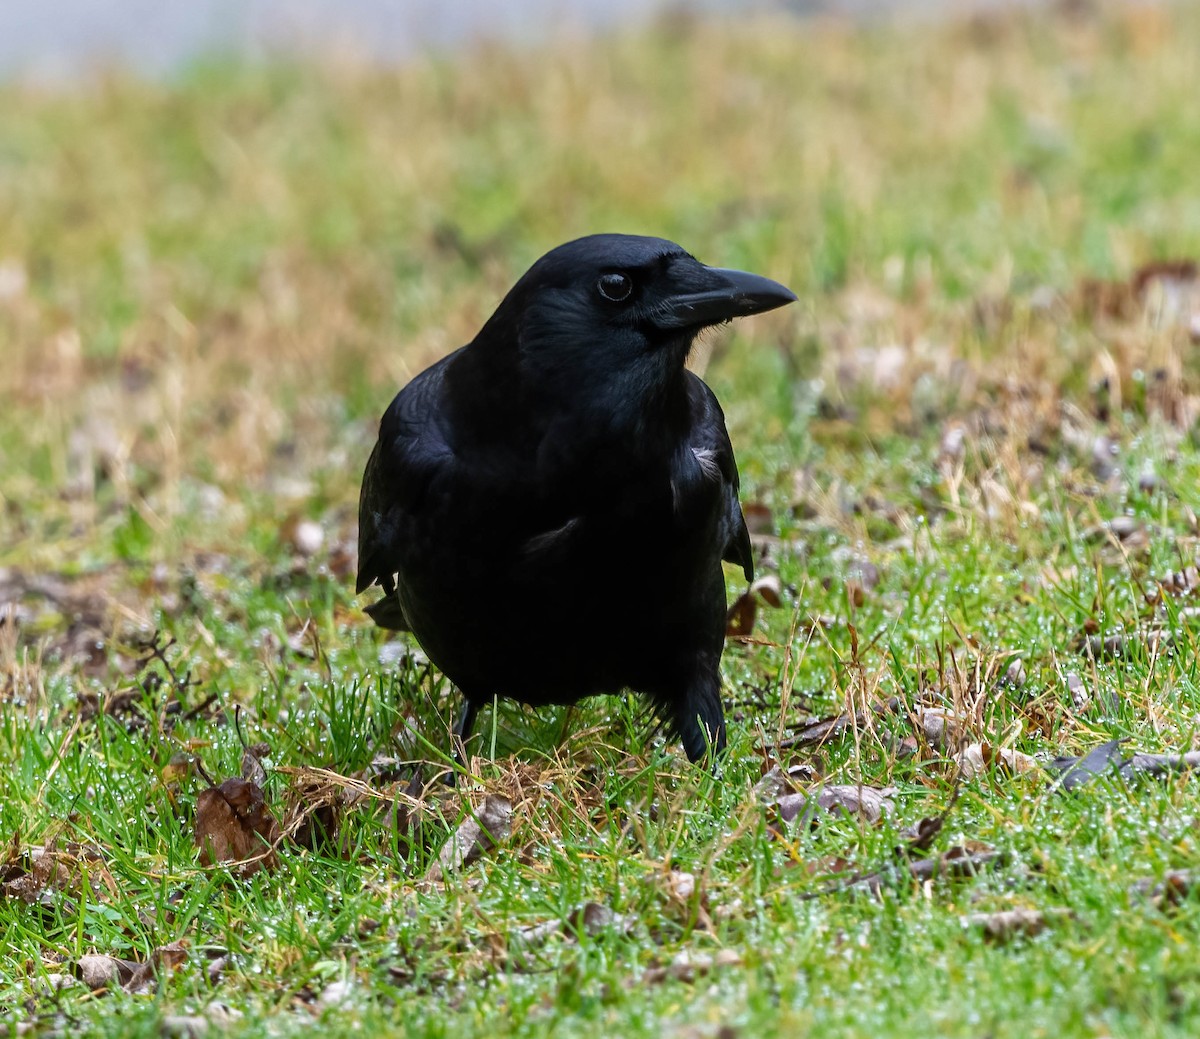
971	451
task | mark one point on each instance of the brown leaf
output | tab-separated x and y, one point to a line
303	536
1169	291
1015	674
1076	771
1010	760
681	886
591	919
1114	299
1007	924
769	589
1173	890
688	966
164	958
872	803
31	875
1181	582
1115	646
758	517
739	621
1080	698
940	726
234	824
253	771
778	781
477	833
965	859
817	731
922	833
820	730
1159	765
977	758
183	1026
97	971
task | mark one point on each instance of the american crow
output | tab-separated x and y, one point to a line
547	508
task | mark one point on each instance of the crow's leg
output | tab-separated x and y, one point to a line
697	716
459	736
466	720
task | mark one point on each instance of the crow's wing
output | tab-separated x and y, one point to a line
407	458
710	444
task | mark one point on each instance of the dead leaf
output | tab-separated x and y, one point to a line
966	859
1106	758
971	761
688	966
1080	698
303	536
589	919
1181	583
1174	889
97	971
816	731
1075	771
164	958
183	1026
680	886
477	833
977	758
1007	924
234	825
872	803
1159	765
1115	646
1014	675
1169	291
922	833
1011	760
940	726
739	620
108	972
335	994
253	771
32	875
758	517
769	589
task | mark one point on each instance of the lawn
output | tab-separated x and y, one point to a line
969	455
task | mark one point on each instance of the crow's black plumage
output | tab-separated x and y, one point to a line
547	508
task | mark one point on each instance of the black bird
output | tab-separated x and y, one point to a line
524	486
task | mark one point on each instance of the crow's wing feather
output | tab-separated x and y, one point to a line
408	456
710	444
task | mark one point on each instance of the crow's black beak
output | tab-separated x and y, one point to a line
720	295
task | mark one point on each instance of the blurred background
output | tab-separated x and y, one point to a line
61	38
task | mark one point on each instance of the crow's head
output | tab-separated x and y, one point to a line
619	312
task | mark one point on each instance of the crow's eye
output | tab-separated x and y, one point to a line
615	286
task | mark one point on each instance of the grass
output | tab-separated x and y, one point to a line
210	287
